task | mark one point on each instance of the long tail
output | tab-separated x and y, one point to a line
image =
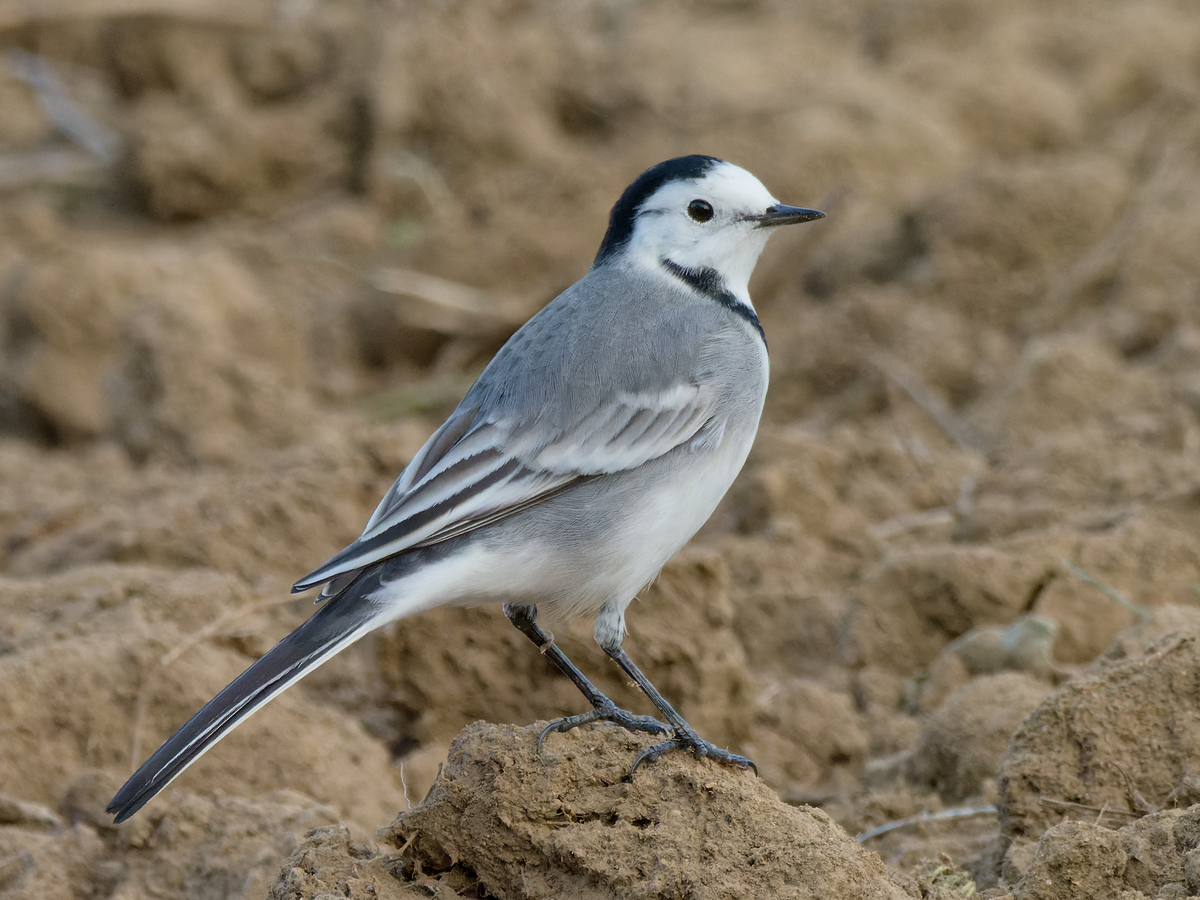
342	621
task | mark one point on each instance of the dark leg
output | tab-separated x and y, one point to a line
685	737
603	709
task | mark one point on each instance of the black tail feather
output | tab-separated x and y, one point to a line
336	625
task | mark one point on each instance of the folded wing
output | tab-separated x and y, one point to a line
475	470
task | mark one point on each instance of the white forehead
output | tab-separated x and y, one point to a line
727	187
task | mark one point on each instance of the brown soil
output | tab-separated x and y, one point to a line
564	822
974	495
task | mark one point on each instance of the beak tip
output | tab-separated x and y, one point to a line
788	215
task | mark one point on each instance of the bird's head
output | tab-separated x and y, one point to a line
698	214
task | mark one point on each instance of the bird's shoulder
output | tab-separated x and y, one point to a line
613	333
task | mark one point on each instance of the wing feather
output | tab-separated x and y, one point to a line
473	472
439	444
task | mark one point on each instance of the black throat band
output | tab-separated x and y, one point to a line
709	283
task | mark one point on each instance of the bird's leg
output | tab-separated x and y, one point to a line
603	709
685	737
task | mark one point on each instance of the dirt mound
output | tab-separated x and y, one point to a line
201	847
504	819
962	744
331	862
1083	752
103	663
1158	856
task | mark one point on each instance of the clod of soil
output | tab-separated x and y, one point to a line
963	743
564	822
1156	857
201	847
1109	747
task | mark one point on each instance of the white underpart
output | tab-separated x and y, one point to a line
727	242
602	585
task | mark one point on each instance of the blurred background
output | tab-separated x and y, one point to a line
252	252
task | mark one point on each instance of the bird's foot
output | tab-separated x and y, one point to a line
605	712
689	740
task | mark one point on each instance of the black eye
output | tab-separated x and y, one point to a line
700	210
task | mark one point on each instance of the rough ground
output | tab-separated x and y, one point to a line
251	253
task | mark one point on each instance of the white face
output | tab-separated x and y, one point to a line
727	242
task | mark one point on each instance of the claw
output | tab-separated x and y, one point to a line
702	748
609	713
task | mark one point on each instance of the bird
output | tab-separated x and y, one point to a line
595	443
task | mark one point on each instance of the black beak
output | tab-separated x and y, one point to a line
785	215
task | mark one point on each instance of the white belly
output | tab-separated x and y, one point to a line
557	557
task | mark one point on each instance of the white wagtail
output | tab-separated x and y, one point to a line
593	446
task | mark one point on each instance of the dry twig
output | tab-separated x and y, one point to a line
173	654
65	114
924	518
1111	593
1099	810
956	813
928	402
